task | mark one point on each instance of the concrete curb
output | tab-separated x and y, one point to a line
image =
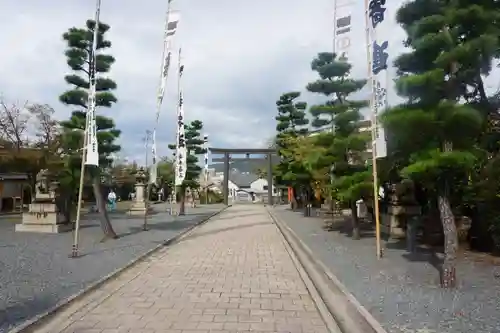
325	314
349	314
32	324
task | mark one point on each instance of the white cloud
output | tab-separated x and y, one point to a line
239	57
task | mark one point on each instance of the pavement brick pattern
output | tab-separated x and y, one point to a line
233	274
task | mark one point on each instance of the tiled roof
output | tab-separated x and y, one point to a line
242	179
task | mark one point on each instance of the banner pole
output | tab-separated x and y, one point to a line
374	124
88	122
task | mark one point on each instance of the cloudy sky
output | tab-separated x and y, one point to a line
239	57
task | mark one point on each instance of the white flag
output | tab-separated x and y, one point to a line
343	10
153	169
91	151
171	24
181	148
379	63
181	151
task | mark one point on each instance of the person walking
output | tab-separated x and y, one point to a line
112	200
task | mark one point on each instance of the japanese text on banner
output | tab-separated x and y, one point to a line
91	150
171	24
379	76
343	29
181	149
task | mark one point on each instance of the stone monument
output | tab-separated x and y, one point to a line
139	207
44	216
400	220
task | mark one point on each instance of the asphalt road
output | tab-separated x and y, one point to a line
36	272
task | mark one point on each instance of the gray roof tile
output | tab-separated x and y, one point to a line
242	179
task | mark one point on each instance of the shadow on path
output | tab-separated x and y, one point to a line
235	216
343	226
213	232
422	254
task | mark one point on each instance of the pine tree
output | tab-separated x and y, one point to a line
345	144
291	122
194	145
450	49
79	57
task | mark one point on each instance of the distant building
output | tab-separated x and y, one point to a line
248	187
14	191
243	186
15	185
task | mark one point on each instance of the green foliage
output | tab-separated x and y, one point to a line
345	146
334	83
291	114
434	133
79	57
166	171
291	120
356	186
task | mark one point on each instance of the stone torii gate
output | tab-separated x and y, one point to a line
248	151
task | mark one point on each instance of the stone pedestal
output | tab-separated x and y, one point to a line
140	207
393	223
44	215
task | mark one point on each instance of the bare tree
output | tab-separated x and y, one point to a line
14	120
47	130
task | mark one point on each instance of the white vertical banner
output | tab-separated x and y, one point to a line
91	150
379	63
342	29
171	24
181	148
205	159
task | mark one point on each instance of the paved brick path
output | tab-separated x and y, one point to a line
233	274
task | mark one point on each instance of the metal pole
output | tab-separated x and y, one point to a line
74	251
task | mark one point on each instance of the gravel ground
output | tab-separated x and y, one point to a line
403	292
36	273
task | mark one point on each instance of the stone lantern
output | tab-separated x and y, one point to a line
139	205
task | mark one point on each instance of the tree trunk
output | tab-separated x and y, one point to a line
104	221
448	272
356	234
182	204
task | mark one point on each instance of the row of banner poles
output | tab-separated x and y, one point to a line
377	59
90	153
